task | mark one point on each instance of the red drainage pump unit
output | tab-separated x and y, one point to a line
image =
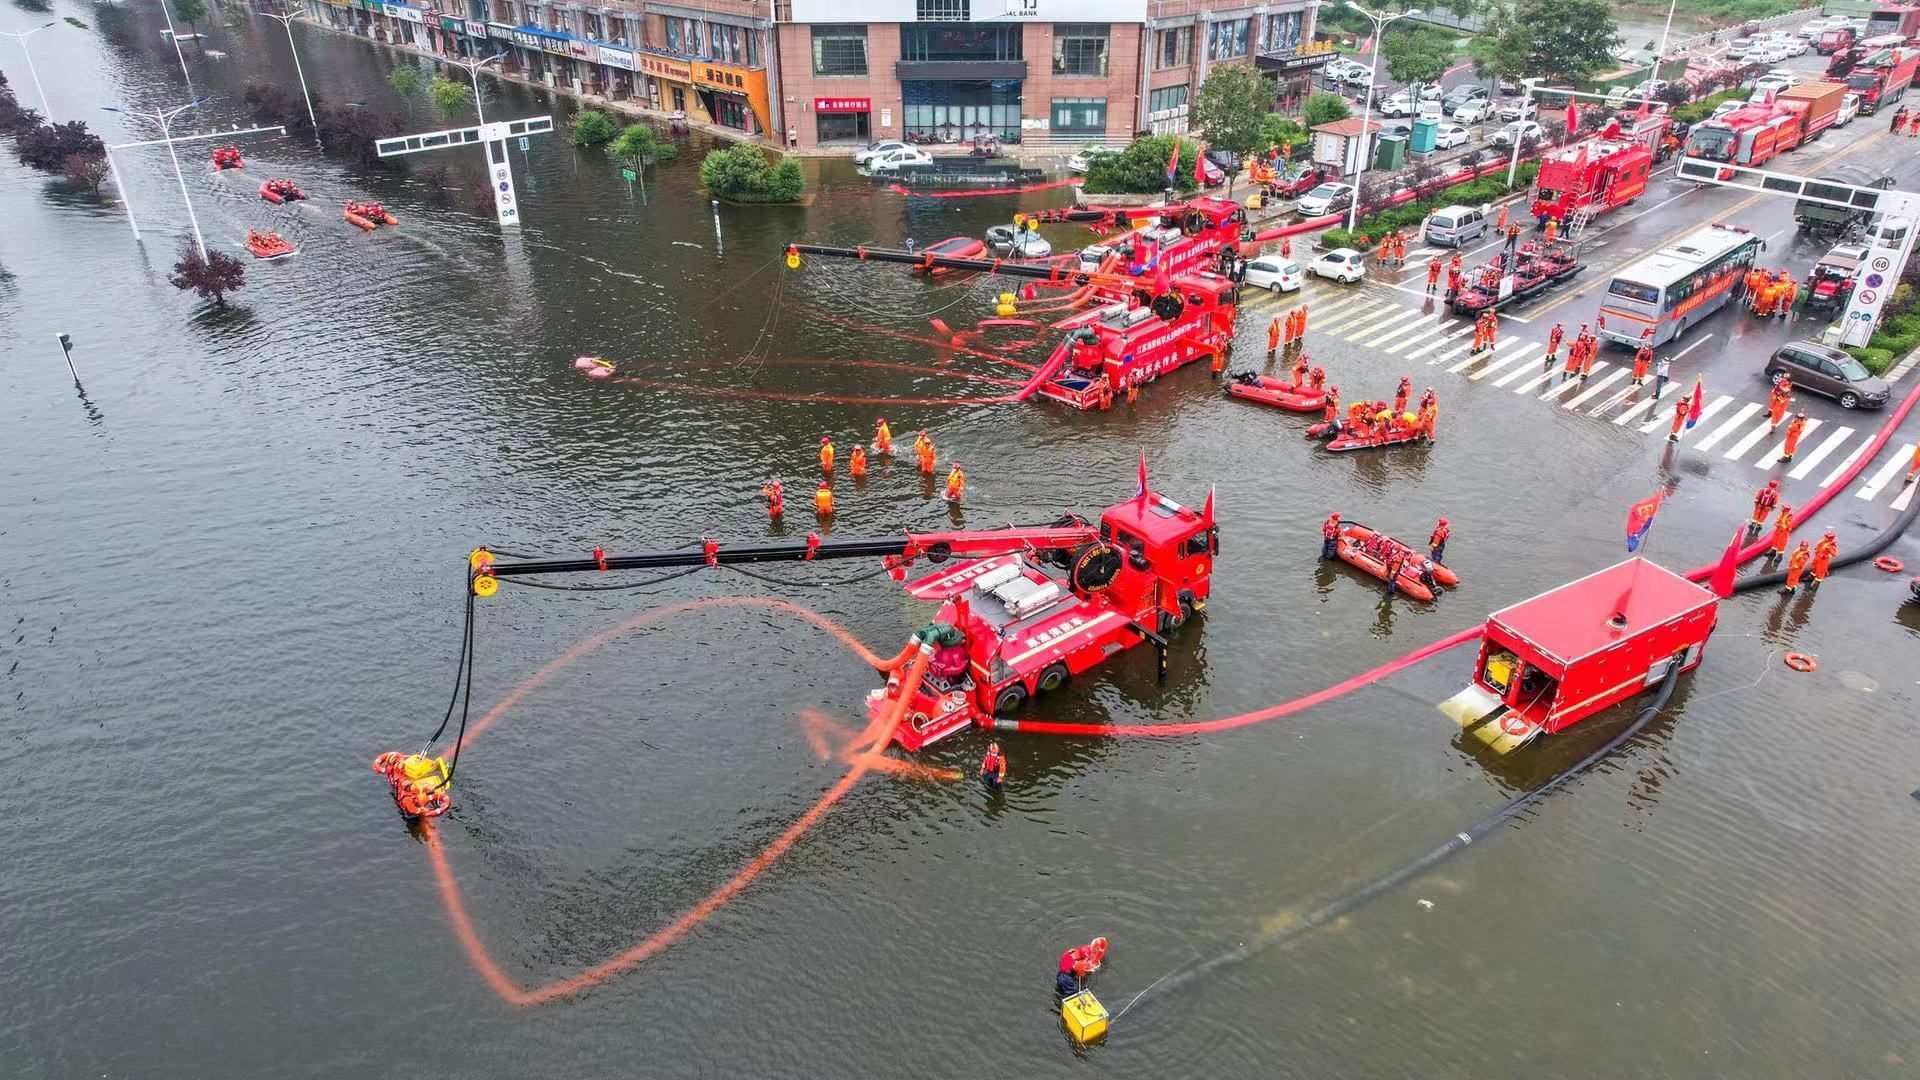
1550	662
1024	610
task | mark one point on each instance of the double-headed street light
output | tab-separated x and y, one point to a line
164	118
473	72
175	38
21	36
287	21
1366	116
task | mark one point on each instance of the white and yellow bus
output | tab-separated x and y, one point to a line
1677	286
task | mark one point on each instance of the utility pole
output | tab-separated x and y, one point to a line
21	37
165	120
287	21
1366	115
491	138
174	37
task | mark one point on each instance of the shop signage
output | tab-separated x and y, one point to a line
403	12
842	104
724	78
581	50
526	40
677	70
476	29
452	25
556	45
500	31
615	58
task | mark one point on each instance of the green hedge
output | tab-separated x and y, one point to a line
1410	215
1694	112
741	173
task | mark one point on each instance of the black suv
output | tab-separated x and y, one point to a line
1460	95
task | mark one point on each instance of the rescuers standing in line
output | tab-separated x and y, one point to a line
956	483
826	455
857	462
923	449
823	501
1330	537
993	767
882	437
1782	533
1554	337
1823	553
1764	501
1797	566
1795	429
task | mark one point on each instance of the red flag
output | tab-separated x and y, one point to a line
1200	166
1366	46
1173	163
1645	110
1722	581
1142	493
1573	116
1640	519
1206	514
1699	394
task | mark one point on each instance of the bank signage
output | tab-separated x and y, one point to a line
615	58
842	104
906	11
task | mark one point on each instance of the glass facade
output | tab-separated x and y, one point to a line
1282	34
962	110
1080	49
1172	48
949	42
1226	40
839	50
1080	116
1167	97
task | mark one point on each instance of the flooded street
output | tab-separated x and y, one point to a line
233	575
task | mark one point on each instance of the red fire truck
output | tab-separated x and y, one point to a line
1883	76
1592	177
1116	346
1547	663
1747	136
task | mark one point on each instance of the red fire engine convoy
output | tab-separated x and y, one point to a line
1749	136
1881	76
1817	103
1025	610
1547	663
1595	175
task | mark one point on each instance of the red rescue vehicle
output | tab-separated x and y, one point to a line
1547	663
1119	345
1883	76
1818	104
1592	177
1750	136
1894	20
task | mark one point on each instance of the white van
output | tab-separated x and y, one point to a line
1453	226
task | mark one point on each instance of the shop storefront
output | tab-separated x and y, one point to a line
409	26
843	119
733	97
669	84
952	110
618	67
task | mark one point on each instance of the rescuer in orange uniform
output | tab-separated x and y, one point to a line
1679	417
1553	229
1778	401
1914	469
826	454
1764	501
1642	364
1823	553
1782	532
823	501
776	498
1796	566
1273	335
1300	368
1789	289
1332	417
1330	537
993	767
1433	274
1401	393
1554	337
956	483
1438	541
923	449
1429	416
857	461
1794	431
882	437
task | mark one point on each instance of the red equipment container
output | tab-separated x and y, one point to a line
1818	104
1547	663
1128	345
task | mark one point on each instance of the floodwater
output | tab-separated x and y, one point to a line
232	573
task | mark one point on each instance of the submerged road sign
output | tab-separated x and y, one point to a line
493	138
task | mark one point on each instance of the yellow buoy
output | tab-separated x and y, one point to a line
485	585
1085	1017
793	260
1005	311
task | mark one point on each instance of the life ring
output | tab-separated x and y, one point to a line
1801	662
1890	564
1513	725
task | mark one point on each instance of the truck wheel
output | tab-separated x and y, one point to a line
1053	678
1009	699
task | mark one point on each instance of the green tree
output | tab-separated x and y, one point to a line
1561	41
191	12
592	127
640	145
1141	168
740	173
1230	106
1276	130
1413	55
1325	109
405	80
450	97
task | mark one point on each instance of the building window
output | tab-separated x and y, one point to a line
1080	115
1283	32
946	42
1172	48
1226	40
960	111
1167	97
941	10
1080	49
839	50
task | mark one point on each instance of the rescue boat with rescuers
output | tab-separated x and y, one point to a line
1391	561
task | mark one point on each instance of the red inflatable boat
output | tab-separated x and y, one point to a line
959	247
1365	549
369	216
1280	393
227	157
267	245
280	191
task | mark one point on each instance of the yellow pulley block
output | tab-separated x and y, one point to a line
1019	220
793	260
478	556
486	585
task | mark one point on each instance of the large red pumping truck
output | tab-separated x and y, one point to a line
1023	609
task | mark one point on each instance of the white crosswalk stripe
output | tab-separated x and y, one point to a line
1885	473
1353	314
1598	365
1820	453
1633	414
1706	414
1517	373
1740	416
1772	457
1484	355
1390	323
1420	331
1501	362
1538	380
1619	396
1613	376
1846	463
1905	498
1739	450
1425	349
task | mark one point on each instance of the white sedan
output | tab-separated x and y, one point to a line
1340	264
874	149
1272	272
1519	110
892	160
1473	112
1448	136
1519	130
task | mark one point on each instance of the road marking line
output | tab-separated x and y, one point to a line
1847	464
1633	414
1741	416
1905	497
1529	386
1598	365
1473	358
1886	472
1517	354
1421	332
1335	305
1820	453
1619	396
1772	457
1359	312
1706	414
1617	373
1425	349
1391	324
1517	373
1739	449
1697	343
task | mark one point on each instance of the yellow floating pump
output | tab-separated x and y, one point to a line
1085	1017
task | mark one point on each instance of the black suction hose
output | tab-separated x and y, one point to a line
1866	551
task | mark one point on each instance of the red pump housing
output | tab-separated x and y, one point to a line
1119	345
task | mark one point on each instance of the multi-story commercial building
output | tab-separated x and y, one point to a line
807	73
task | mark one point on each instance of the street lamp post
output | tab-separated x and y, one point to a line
113	167
175	38
287	21
473	72
1366	116
165	118
21	37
